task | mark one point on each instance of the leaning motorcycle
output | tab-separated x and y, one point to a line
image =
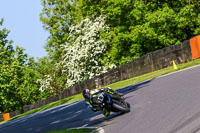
112	103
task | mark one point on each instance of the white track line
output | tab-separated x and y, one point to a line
190	127
98	129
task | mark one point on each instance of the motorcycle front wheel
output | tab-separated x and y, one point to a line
125	107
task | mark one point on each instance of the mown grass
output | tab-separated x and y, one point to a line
114	86
71	131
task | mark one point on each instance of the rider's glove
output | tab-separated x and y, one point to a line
88	105
95	110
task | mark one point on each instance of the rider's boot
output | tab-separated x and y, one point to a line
106	113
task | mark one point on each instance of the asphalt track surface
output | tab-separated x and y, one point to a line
167	104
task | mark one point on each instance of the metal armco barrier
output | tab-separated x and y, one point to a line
195	47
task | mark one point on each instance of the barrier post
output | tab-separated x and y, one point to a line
195	47
6	116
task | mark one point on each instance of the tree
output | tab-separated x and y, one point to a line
8	98
82	53
51	81
57	16
11	68
136	28
139	27
29	88
18	76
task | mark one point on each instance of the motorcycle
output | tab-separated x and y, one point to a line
112	103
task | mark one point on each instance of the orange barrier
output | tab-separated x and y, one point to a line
195	47
6	116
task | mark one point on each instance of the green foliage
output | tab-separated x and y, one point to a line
81	56
73	131
57	16
139	27
51	80
29	88
18	76
136	28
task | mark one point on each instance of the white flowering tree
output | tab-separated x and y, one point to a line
84	51
82	55
45	83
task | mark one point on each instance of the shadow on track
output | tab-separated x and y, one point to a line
132	88
70	115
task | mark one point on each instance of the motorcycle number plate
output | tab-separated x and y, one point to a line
100	98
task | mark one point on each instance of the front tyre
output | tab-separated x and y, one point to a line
121	108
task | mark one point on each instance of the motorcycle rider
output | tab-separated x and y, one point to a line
91	99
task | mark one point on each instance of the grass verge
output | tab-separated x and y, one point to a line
114	86
71	131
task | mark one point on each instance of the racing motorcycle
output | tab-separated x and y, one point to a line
112	103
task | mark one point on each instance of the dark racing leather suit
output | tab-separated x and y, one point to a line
92	101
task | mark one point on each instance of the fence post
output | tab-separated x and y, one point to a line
6	116
195	47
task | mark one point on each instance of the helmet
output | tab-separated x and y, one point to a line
86	93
